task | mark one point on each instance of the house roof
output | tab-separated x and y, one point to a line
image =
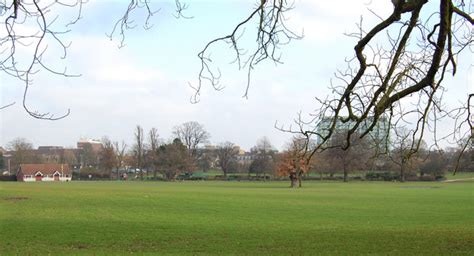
45	169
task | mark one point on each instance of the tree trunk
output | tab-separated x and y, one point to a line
402	173
299	180
294	183
345	175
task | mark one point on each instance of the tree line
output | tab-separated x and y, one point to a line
188	152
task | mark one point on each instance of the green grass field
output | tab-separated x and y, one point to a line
240	218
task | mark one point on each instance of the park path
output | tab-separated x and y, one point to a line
455	180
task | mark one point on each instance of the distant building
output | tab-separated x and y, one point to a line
89	152
244	157
247	158
44	172
379	134
50	154
95	145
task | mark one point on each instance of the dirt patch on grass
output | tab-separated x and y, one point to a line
15	198
80	246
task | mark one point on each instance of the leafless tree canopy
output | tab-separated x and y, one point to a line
119	149
272	33
191	134
139	148
30	31
396	73
226	152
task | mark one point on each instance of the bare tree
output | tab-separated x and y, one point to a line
264	145
264	154
119	156
271	35
139	149
191	134
434	163
67	156
403	154
269	17
347	159
397	73
22	153
153	140
42	34
407	53
107	156
227	153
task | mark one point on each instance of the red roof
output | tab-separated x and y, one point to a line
45	169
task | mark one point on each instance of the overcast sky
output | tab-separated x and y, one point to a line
146	82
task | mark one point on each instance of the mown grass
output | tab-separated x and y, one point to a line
239	218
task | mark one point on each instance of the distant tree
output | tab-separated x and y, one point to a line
434	164
263	157
463	156
264	146
68	157
173	158
191	134
206	159
292	163
107	156
292	167
262	165
119	156
320	163
22	153
88	157
152	153
347	159
407	53
227	153
404	152
139	149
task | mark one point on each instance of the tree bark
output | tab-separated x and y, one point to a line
402	172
